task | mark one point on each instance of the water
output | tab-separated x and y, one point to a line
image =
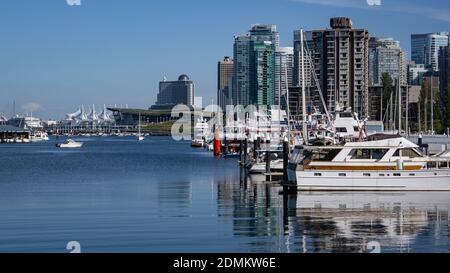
118	195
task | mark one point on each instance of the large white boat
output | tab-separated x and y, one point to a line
394	164
39	136
201	134
70	144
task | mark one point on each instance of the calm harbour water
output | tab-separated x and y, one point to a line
118	195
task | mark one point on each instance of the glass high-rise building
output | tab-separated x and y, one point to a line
386	56
262	32
425	48
284	59
262	55
254	53
241	77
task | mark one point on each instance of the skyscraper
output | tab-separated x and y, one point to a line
425	48
340	58
262	55
225	70
241	77
253	79
386	56
262	32
284	57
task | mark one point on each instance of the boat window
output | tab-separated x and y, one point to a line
381	174
341	130
410	153
317	174
325	154
360	154
356	128
397	174
412	174
366	174
397	153
342	174
368	153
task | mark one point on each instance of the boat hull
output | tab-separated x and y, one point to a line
430	180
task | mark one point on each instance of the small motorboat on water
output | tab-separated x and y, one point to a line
70	144
197	143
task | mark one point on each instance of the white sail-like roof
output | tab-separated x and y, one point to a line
82	116
104	114
93	115
74	115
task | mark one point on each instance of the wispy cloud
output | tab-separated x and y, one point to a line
31	107
360	4
442	14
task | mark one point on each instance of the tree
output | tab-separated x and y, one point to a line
439	105
446	107
388	88
423	105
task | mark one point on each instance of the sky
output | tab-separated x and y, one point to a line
55	57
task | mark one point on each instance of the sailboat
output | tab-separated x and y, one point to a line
139	136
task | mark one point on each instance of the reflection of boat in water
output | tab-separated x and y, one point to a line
392	219
69	144
393	164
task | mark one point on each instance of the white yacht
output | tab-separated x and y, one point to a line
201	133
70	144
394	164
39	136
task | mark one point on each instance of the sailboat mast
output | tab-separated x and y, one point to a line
305	128
399	107
139	124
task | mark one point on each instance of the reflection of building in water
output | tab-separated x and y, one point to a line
332	221
341	222
174	196
255	210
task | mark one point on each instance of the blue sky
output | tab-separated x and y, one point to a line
54	57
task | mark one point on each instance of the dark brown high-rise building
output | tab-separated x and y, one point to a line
340	56
225	70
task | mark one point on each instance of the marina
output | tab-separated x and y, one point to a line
131	199
223	136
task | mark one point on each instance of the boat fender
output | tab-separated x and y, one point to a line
400	164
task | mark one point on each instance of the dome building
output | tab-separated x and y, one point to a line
171	93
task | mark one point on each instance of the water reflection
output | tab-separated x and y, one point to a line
174	199
336	222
